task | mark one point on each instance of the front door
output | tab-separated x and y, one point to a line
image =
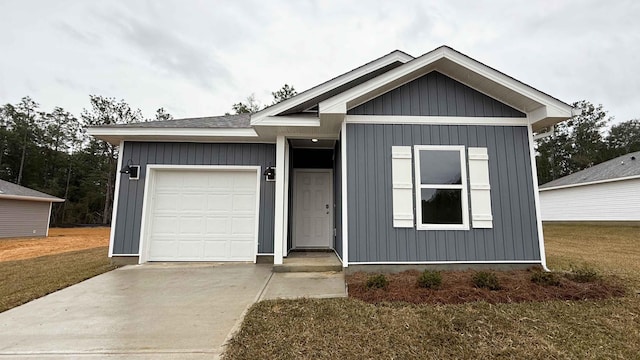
312	208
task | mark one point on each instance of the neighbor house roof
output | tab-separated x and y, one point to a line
13	191
621	168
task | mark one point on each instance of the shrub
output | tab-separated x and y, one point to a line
485	279
545	278
378	281
583	274
430	279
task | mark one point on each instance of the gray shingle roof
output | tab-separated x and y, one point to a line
224	121
11	189
622	166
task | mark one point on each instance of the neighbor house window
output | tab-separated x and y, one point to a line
441	188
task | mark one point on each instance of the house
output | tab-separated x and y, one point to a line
24	211
609	191
402	161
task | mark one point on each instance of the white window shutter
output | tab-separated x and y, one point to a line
480	188
402	186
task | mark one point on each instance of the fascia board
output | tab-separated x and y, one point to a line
290	121
172	132
260	116
595	182
29	198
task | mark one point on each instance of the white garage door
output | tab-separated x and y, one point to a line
203	216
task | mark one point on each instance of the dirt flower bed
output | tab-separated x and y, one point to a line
457	288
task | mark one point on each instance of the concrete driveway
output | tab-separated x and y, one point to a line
152	311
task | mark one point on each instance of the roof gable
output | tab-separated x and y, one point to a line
541	109
13	191
339	84
435	94
622	167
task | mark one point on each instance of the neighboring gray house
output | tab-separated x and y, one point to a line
609	191
24	211
402	161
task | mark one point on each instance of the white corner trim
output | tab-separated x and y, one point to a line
436	120
463	187
49	219
305	96
172	132
345	208
633	177
278	228
536	196
116	196
355	96
301	121
285	218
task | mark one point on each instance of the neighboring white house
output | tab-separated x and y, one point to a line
609	191
24	211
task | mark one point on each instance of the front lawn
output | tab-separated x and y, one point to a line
25	280
352	329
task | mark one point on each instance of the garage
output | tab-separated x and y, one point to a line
206	213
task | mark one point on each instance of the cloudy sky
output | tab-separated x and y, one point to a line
197	58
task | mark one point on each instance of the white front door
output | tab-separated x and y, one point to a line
312	209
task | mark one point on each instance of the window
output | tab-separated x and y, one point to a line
441	188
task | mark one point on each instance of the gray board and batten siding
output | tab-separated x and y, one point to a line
435	94
130	201
372	237
19	218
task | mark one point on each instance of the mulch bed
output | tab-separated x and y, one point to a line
457	287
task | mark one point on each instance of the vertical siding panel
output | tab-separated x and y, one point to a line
534	245
127	231
452	109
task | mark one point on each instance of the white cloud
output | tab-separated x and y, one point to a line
199	57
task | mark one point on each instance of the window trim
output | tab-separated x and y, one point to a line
463	187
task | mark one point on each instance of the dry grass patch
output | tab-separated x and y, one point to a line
457	287
25	280
59	240
611	249
352	329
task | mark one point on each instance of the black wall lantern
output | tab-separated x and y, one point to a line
132	170
270	173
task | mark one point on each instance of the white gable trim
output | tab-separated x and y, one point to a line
396	56
362	93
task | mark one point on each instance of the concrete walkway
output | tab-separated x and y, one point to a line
159	311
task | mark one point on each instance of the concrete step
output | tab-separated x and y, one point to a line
309	261
307	268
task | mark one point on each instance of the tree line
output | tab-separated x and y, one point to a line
51	152
585	140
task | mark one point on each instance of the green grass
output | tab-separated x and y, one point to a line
25	280
351	329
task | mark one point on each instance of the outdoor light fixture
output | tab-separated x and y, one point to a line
314	140
270	173
132	170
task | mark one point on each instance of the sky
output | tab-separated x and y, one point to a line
197	58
